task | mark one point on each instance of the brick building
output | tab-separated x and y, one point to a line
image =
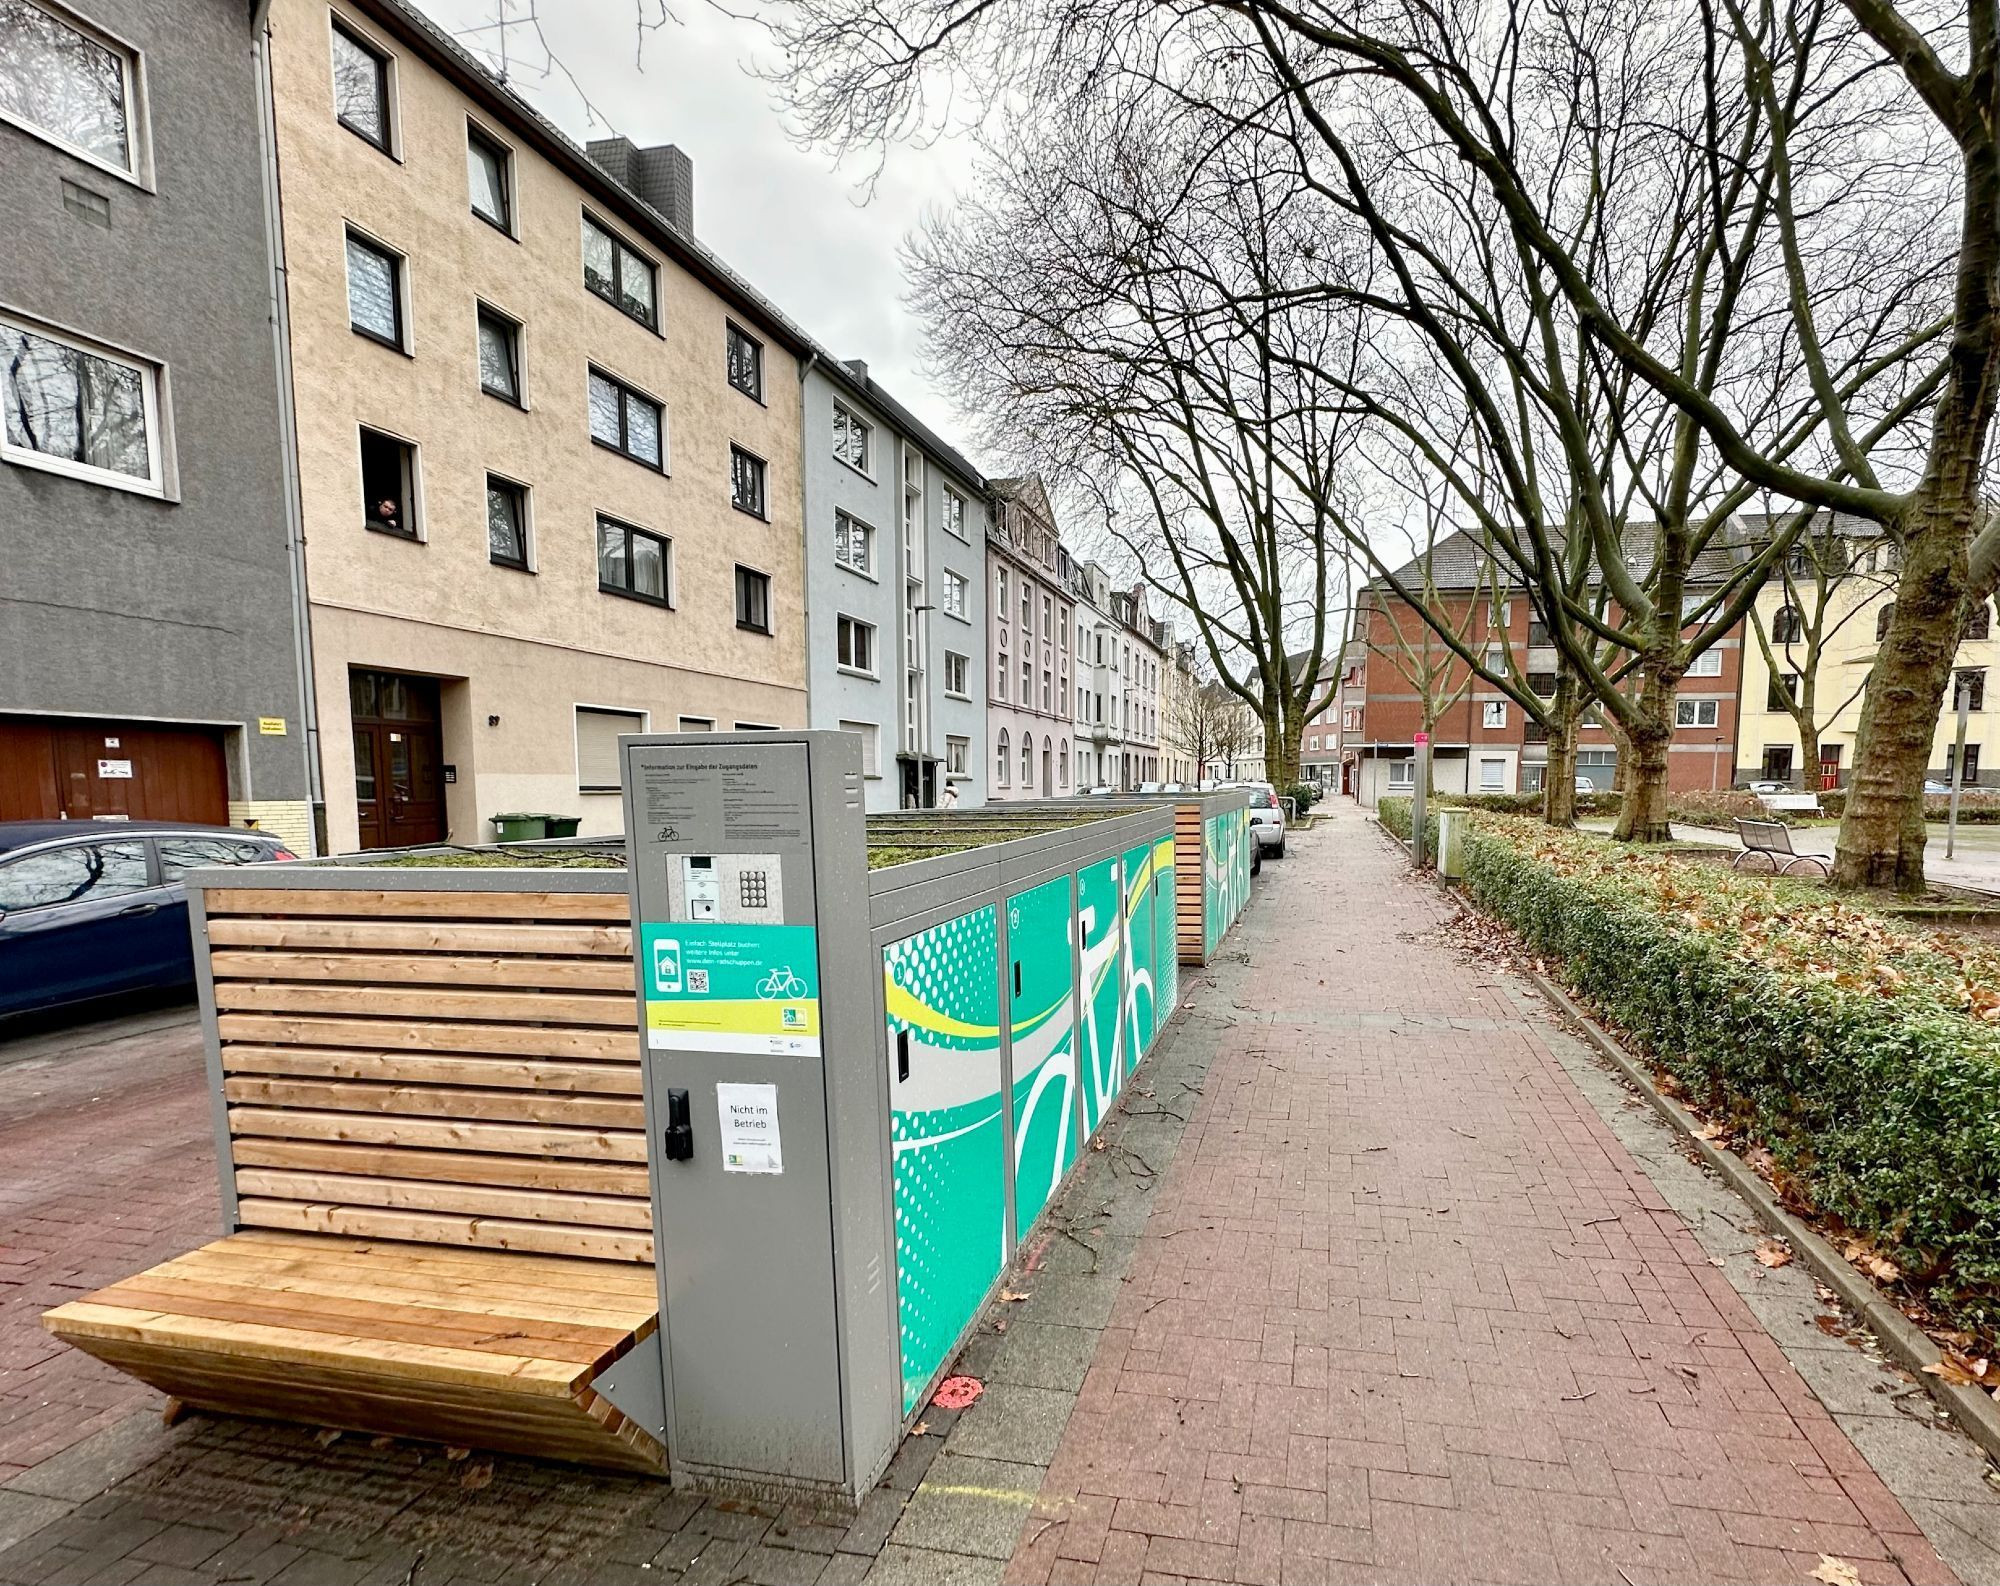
1481	741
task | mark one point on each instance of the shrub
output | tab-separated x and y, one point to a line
1304	795
1862	1054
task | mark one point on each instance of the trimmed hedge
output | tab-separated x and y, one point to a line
1859	1052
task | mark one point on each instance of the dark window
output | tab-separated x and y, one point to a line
361	88
631	561
1979	621
486	177
388	484
1534	732
506	523
1538	632
71	874
1542	684
1971	763
1883	618
1787	626
499	355
374	291
625	420
623	278
178	855
1783	692
746	363
753	600
66	82
746	481
1972	684
1777	762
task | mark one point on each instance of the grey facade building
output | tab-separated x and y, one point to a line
150	635
895	524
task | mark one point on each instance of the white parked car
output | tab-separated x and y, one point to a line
1267	822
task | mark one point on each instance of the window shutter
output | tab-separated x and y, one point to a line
597	746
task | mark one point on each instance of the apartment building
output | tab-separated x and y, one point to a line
1481	741
897	534
1179	712
1320	745
149	638
549	445
1032	609
1120	650
1848	607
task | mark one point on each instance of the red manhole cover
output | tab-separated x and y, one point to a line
955	1393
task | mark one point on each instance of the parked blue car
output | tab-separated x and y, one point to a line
95	908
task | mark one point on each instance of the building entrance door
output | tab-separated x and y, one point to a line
398	749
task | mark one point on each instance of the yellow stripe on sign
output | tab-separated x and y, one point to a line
735	1016
921	1016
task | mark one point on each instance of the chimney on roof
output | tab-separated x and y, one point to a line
859	368
662	177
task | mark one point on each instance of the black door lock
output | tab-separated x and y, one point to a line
679	1142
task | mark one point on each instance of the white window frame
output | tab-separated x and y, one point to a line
138	120
964	662
1688	712
957	595
867	530
153	391
1498	771
958	757
844	624
577	712
956	506
697	724
1493	713
1707	664
866	467
870	734
1403	773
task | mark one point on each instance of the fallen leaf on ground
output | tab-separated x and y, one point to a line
1960	1372
1773	1254
1013	1296
327	1436
1711	1131
921	1429
456	1454
1836	1572
477	1476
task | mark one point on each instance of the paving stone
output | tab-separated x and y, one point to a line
922	1566
1014	1422
22	1514
1043	1355
969	1506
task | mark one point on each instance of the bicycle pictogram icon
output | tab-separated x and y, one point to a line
781	983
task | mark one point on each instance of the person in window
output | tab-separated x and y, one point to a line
387	516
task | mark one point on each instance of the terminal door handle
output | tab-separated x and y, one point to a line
902	1055
679	1142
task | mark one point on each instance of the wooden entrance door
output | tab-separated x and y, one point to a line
398	749
52	769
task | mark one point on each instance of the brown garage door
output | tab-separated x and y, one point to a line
52	769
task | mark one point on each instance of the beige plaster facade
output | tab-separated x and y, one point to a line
516	652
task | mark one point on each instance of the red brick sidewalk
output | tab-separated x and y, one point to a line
106	1167
1407	1310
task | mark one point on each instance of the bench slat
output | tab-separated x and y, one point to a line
443	969
443	1166
603	1145
607	941
481	1233
509	1040
529	906
594	1211
439	1101
541	1074
424	1002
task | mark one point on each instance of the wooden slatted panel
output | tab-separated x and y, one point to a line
449	1068
1190	880
473	1347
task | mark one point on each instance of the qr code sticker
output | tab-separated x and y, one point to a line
698	981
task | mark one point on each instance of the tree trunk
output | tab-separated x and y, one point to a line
1881	840
1642	816
1559	776
1808	753
1281	750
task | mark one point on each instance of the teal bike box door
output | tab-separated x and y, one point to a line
1041	933
941	989
1166	947
1142	985
1100	905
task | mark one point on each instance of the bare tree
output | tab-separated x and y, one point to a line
1681	199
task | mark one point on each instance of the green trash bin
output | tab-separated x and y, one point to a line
562	825
520	828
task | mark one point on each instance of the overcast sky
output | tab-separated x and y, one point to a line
802	231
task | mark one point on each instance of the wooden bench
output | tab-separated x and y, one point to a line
1773	839
437	1151
474	1347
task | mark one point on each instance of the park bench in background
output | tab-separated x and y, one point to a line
1773	839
